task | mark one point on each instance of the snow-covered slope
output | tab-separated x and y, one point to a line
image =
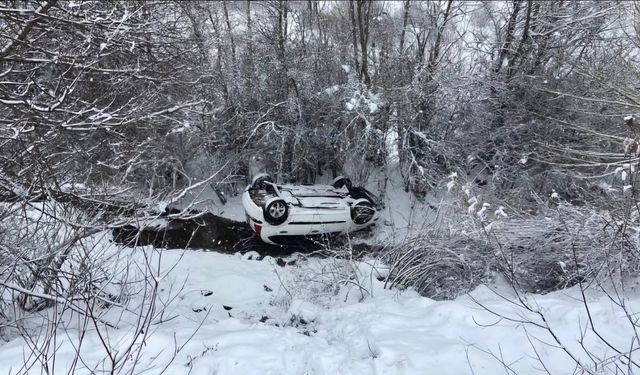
233	314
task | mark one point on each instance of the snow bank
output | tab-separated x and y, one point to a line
235	315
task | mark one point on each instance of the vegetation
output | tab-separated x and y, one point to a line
524	111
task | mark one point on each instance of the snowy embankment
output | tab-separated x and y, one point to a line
233	314
239	314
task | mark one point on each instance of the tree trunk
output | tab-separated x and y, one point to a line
233	44
407	4
509	36
250	69
223	83
24	32
354	35
286	163
364	12
434	54
523	41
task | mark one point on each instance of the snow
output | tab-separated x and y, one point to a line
243	314
450	185
373	107
181	129
480	213
234	315
500	212
349	106
73	187
204	199
368	100
332	90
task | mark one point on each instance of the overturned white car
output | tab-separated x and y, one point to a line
279	213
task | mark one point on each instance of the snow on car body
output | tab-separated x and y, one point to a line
278	213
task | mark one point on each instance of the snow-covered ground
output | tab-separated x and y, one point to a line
243	314
234	314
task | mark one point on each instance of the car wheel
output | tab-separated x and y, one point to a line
340	182
362	212
275	211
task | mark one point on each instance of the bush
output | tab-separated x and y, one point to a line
566	246
440	267
557	249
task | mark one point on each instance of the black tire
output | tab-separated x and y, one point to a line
275	211
340	182
359	193
260	181
362	212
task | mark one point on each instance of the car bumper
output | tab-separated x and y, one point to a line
277	234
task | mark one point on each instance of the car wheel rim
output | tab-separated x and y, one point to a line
277	210
362	214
